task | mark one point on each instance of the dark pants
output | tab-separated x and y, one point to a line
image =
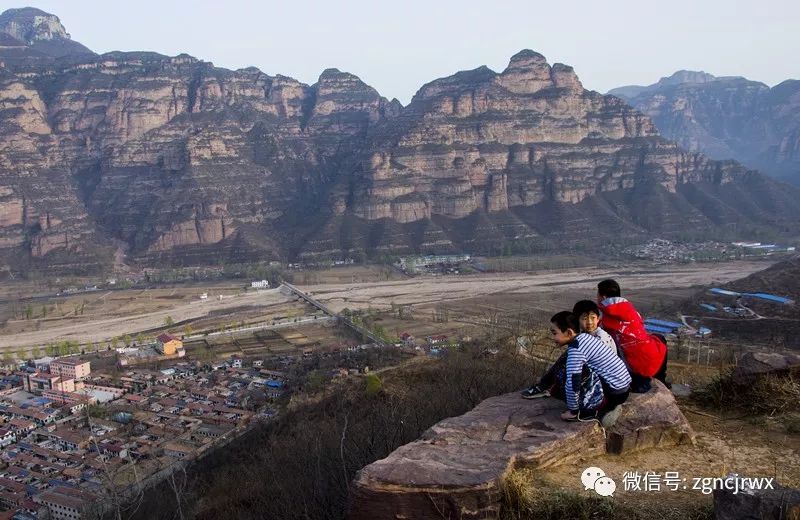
550	380
553	381
613	399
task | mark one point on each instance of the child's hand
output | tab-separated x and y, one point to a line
569	416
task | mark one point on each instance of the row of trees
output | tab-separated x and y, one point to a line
62	348
29	312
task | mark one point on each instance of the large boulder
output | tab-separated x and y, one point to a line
753	365
780	503
649	420
456	469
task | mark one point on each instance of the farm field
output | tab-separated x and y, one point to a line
453	304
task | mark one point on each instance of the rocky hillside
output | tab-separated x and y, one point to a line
172	159
726	118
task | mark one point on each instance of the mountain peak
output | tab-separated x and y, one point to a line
41	32
527	72
525	59
687	76
30	25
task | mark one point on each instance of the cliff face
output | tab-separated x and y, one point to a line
164	153
186	162
727	118
481	140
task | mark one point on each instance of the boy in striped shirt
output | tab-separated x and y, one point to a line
586	369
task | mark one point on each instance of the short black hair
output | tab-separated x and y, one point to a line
608	288
565	320
584	306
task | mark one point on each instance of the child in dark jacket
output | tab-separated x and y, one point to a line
645	354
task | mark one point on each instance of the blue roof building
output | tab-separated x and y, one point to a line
656	328
663	323
770	297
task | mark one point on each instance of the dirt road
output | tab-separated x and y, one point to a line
105	329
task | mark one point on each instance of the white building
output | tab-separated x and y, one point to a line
260	284
7	437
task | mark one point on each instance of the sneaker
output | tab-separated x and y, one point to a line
535	392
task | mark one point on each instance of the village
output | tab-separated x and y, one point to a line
71	438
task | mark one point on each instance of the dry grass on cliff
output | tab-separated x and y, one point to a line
526	498
774	395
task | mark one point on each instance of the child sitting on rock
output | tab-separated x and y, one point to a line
645	354
588	315
592	379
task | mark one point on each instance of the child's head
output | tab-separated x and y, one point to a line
588	315
607	289
564	327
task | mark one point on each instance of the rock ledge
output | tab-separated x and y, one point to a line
456	469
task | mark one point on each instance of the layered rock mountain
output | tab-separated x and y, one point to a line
175	160
726	118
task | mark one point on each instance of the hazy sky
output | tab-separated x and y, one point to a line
397	47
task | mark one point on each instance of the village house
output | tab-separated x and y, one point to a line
39	381
259	284
178	450
71	368
64	503
213	431
168	344
16	502
7	436
68	398
438	339
21	427
40	416
66	440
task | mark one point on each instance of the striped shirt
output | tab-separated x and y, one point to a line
587	350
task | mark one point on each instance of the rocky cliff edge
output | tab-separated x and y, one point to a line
456	469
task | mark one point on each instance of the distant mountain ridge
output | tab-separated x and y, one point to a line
178	161
726	118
